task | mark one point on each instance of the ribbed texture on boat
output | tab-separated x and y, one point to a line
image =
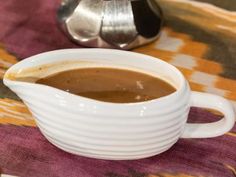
106	137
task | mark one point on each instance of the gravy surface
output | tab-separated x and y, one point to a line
109	84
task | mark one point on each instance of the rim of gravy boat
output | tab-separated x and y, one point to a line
52	54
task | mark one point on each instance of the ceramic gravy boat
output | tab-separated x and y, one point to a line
114	131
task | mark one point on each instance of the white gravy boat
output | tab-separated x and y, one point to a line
114	131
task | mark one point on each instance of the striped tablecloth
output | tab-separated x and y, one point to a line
199	38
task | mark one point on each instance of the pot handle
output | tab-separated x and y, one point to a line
208	130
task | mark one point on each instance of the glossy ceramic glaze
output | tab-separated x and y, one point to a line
109	130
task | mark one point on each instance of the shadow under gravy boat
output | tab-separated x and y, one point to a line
105	130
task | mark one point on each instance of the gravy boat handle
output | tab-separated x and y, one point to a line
208	130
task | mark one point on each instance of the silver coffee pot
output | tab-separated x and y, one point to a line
122	24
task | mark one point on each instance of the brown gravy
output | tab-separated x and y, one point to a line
109	84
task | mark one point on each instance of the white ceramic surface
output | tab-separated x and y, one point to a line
109	130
